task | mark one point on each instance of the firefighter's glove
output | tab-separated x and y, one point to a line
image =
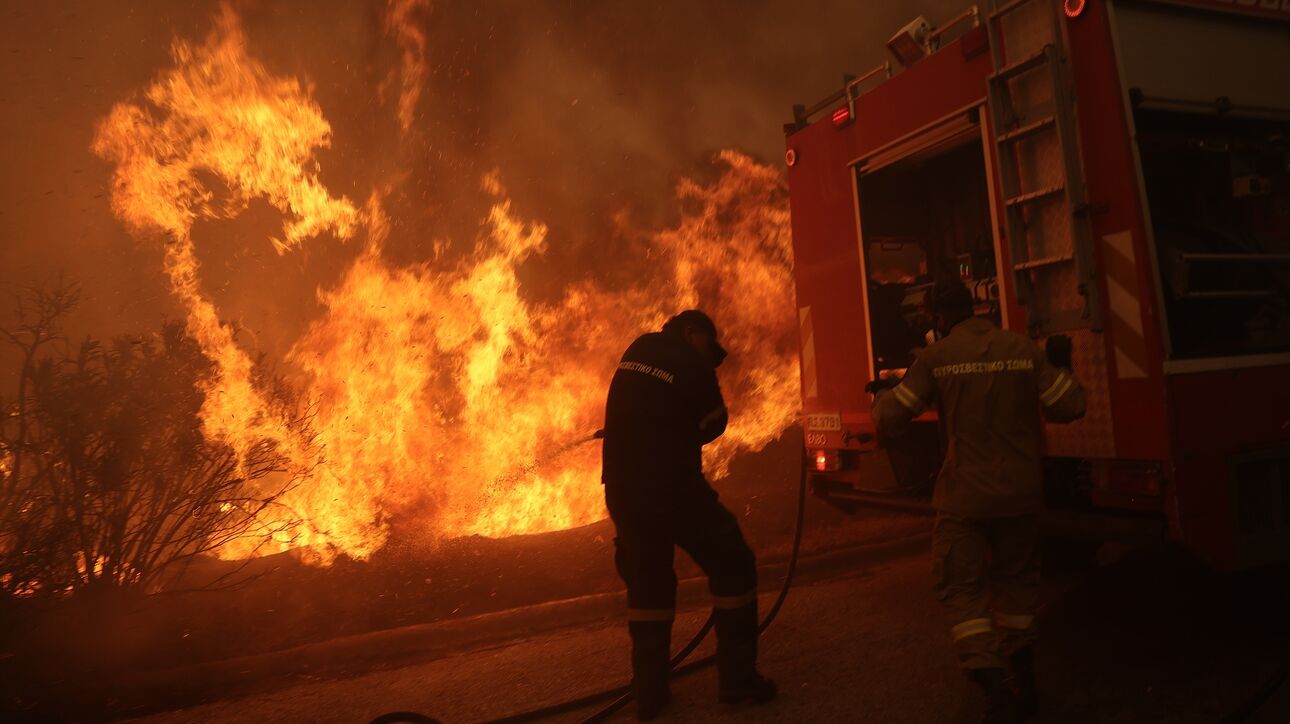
1059	350
880	384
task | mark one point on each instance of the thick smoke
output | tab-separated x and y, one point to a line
591	107
589	114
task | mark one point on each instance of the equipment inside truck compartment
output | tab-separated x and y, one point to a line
1218	187
924	218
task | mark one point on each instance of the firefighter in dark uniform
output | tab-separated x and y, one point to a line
990	388
664	405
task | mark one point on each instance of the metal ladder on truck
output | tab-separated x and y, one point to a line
1061	198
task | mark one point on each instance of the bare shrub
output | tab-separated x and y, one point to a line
105	477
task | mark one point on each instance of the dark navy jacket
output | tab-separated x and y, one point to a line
664	405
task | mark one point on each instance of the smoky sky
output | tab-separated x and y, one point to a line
589	111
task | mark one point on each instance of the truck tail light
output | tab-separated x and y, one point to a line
826	461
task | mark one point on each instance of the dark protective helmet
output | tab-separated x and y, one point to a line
693	318
950	298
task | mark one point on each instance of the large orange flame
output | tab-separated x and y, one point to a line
445	399
219	112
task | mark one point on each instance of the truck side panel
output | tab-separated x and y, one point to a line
829	291
1235	514
1132	330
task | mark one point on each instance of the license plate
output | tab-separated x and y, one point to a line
825	421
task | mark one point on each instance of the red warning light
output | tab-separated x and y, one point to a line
821	460
1074	8
842	116
790	157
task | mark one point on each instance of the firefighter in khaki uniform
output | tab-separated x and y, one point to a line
989	387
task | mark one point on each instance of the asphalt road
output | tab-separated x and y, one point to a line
1147	639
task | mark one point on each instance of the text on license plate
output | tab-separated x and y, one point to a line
826	421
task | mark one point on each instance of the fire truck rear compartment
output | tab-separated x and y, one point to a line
924	218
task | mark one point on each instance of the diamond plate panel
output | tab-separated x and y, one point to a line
1058	297
1093	436
1039	162
1027	30
1048	228
1031	95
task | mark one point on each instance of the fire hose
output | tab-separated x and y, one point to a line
619	697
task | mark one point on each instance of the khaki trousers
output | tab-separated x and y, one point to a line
986	573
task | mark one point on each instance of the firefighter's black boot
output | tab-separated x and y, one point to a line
651	666
1023	673
1000	702
739	682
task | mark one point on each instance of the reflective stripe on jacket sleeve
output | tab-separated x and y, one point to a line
908	399
1056	390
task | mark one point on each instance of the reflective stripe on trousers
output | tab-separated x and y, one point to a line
987	576
972	627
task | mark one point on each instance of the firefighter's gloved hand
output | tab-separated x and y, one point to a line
1059	350
880	384
713	425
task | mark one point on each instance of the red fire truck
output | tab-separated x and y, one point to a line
1118	172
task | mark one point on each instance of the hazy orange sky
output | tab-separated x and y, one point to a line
586	108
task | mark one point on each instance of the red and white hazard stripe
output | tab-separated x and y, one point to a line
810	384
1124	295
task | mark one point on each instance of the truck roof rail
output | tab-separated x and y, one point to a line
802	114
932	43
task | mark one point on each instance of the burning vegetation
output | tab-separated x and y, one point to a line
439	397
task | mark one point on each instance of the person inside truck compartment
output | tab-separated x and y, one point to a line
893	337
895	266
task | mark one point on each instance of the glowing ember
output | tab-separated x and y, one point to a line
445	399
